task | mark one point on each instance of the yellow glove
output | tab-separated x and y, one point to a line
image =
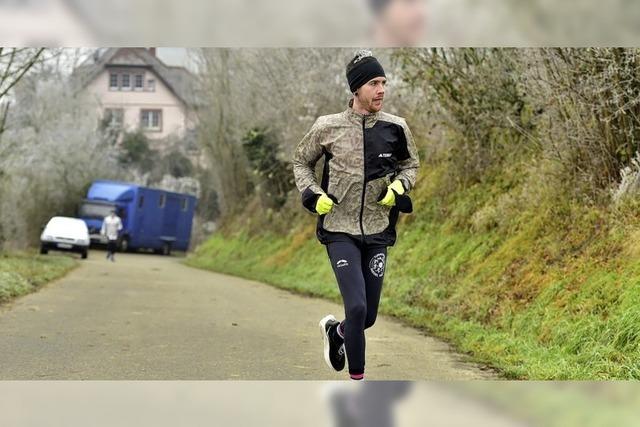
324	204
389	199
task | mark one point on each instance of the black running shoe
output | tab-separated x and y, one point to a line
333	350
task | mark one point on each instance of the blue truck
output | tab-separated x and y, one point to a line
151	219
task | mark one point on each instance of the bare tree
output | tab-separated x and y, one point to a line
592	100
14	65
281	91
219	131
479	95
52	149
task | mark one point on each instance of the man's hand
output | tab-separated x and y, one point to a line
324	204
389	199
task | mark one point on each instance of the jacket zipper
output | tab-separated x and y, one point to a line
364	178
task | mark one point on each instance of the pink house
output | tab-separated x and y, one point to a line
136	89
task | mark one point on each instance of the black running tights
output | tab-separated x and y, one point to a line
359	271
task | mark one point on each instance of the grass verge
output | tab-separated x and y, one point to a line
24	272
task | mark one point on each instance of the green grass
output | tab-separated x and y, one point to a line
24	272
533	284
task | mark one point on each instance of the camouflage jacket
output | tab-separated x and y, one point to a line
363	154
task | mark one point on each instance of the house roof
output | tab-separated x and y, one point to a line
179	80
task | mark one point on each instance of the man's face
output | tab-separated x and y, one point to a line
371	94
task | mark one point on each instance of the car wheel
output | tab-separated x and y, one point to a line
43	250
85	254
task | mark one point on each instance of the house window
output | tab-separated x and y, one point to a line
151	120
139	81
126	82
163	201
113	117
113	81
151	85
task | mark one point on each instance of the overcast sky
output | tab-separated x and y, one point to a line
173	56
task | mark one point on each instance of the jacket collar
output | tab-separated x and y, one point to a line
355	117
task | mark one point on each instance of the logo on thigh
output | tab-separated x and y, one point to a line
376	265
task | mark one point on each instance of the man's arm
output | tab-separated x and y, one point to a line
305	157
408	160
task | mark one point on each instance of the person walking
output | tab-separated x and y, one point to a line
370	166
111	226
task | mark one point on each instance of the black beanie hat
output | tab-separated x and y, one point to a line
362	68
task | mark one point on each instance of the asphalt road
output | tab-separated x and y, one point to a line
148	317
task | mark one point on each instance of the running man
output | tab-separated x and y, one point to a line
111	226
370	164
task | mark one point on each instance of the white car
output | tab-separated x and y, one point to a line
65	234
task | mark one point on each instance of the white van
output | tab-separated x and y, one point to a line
65	234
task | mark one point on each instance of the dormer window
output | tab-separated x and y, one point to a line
126	82
151	85
113	81
119	80
139	81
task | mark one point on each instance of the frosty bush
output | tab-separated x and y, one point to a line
49	154
629	182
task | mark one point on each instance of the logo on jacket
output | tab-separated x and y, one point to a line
376	265
342	263
385	155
